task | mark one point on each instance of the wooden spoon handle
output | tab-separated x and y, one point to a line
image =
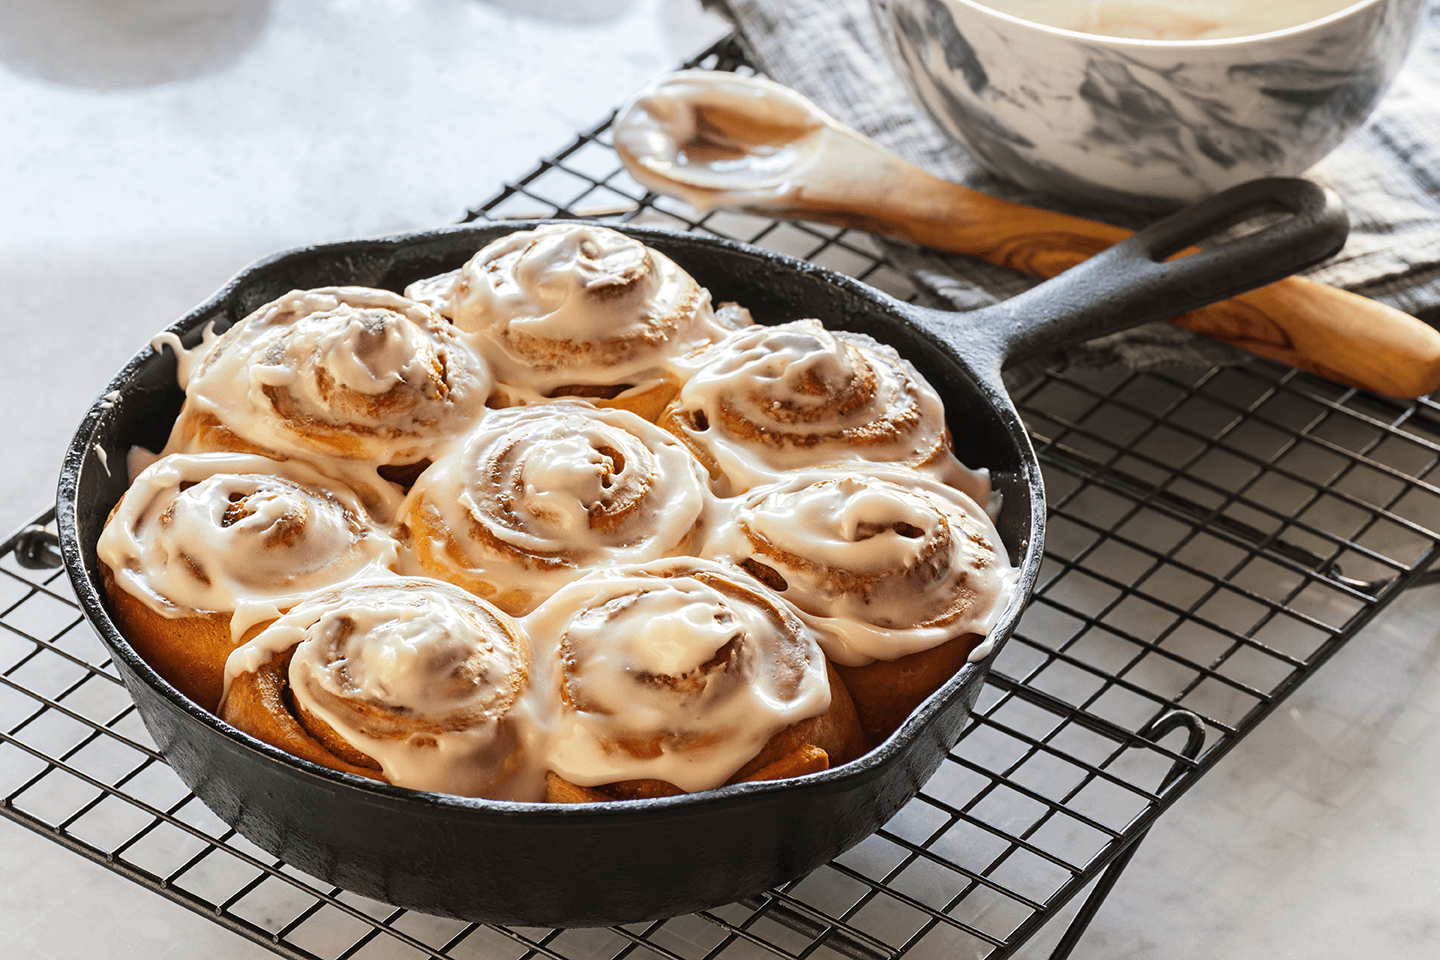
1328	331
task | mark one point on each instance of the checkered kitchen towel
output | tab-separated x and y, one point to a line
1388	173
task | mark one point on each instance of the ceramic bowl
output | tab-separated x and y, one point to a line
1147	123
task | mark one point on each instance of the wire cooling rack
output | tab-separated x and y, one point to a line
1214	538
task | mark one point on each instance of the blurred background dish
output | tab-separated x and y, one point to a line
1179	99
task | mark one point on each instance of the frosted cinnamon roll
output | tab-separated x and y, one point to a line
350	374
410	681
902	576
203	546
682	675
769	400
538	495
577	310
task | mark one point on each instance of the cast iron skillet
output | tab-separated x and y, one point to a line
561	865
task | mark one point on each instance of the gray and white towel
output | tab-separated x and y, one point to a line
1388	173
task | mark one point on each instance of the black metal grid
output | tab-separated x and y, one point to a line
1214	538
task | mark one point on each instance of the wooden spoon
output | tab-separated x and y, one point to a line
716	139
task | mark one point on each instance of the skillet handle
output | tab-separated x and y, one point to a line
1133	282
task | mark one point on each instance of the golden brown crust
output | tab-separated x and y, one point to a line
188	651
259	703
646	400
886	692
806	758
200	431
837	731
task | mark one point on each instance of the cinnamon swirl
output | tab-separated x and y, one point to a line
346	374
769	400
901	575
682	675
538	495
577	310
411	681
203	546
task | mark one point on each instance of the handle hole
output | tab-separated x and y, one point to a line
1226	227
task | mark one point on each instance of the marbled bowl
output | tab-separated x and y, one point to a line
1146	124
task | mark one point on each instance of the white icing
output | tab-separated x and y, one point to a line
237	533
633	656
884	564
185	359
554	490
137	460
364	375
769	400
434	292
568	305
422	677
1170	19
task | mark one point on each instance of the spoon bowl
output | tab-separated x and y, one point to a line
711	132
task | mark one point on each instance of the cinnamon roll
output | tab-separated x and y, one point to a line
203	546
346	374
577	310
410	681
538	495
769	400
902	576
681	675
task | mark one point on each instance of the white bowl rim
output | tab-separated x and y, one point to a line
1212	43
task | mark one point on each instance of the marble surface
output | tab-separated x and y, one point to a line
149	151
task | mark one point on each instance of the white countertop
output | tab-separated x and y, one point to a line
149	151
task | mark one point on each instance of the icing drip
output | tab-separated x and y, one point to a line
184	358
